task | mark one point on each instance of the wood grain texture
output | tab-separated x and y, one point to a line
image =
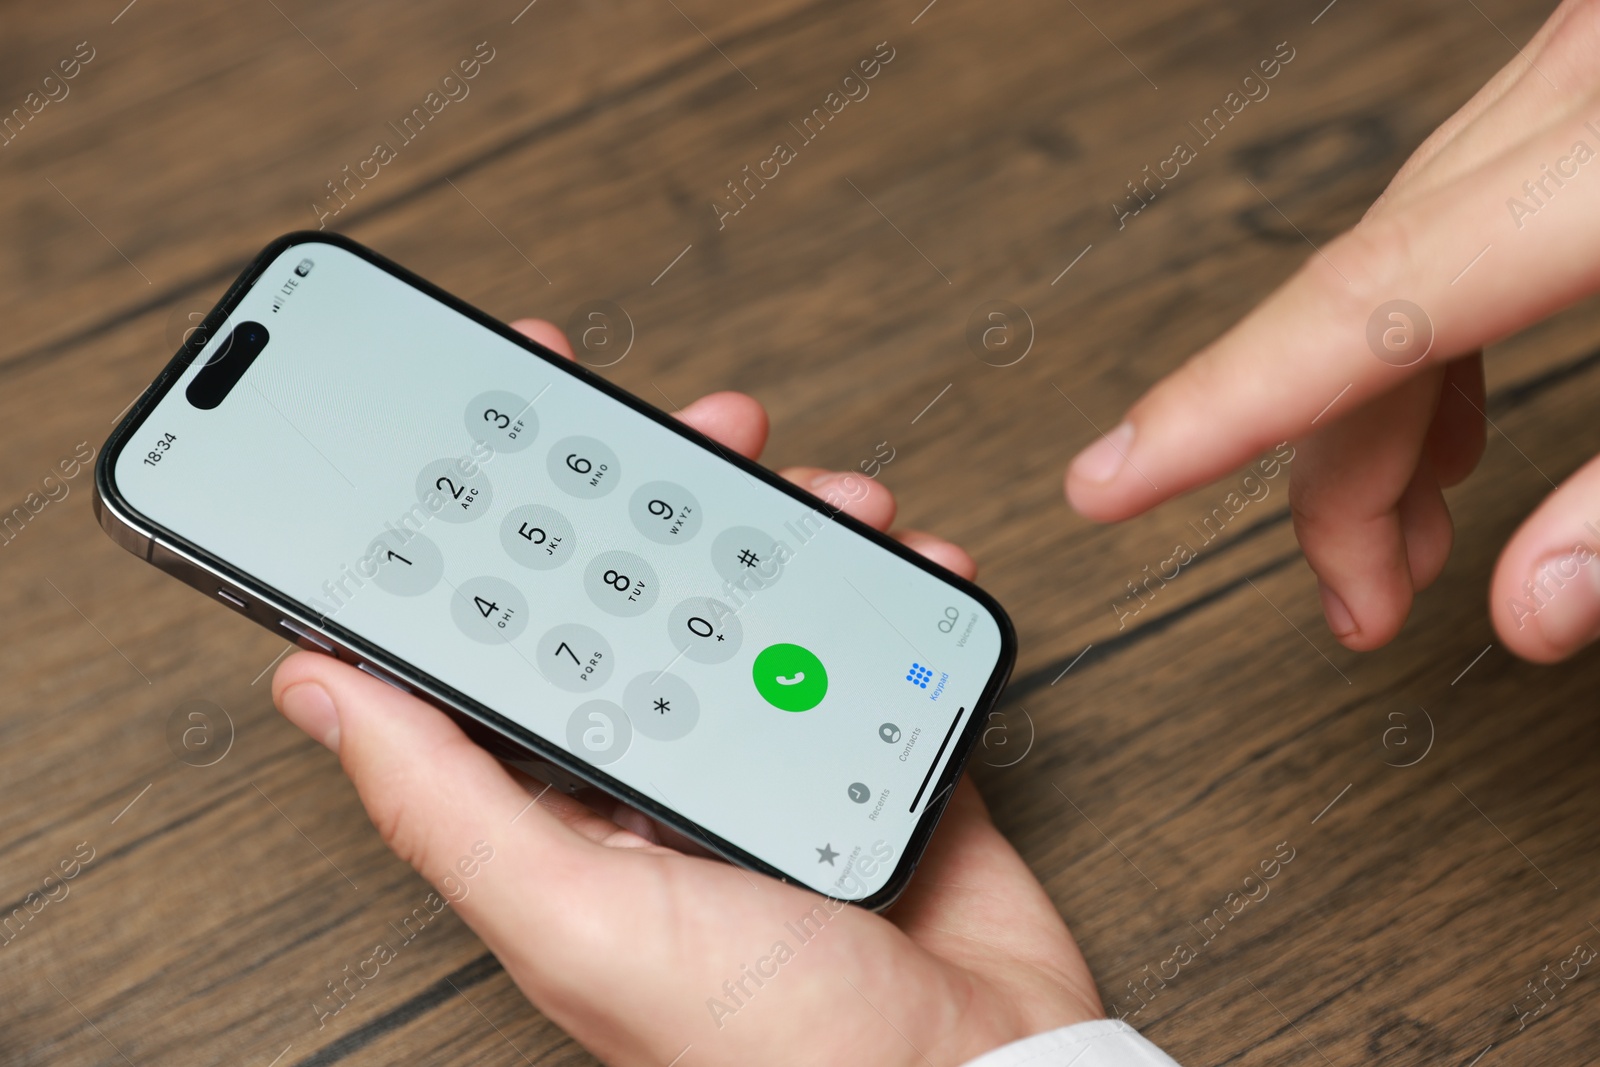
1176	754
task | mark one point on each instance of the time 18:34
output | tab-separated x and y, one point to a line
162	447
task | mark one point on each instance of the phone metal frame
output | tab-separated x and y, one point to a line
507	740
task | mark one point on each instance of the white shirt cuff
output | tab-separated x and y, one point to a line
1103	1043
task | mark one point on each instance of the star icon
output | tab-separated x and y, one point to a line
663	706
826	854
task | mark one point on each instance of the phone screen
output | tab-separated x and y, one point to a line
565	558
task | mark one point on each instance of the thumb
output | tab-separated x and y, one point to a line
443	804
1545	598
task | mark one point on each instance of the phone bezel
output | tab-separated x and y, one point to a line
112	506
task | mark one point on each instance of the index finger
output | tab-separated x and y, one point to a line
1429	281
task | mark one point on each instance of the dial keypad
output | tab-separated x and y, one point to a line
577	558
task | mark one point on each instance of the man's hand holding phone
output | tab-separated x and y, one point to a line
640	946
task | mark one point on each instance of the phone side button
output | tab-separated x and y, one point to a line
314	640
383	676
231	600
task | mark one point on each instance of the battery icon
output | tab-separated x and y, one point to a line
304	268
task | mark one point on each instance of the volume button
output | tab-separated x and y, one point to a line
383	676
308	636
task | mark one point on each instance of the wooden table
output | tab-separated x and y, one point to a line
1143	764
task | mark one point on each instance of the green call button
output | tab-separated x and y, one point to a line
790	678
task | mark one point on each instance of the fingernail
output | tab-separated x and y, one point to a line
1101	461
309	707
823	480
1340	621
840	487
1565	597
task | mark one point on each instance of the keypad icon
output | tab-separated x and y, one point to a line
749	559
661	705
621	583
537	536
454	490
665	512
583	467
705	629
503	421
489	610
408	563
919	675
575	657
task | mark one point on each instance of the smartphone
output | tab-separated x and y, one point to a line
371	468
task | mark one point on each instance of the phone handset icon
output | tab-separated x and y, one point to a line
789	677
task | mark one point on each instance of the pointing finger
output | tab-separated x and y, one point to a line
1404	292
